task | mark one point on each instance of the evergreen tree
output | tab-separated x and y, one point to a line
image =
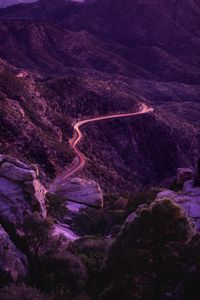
145	260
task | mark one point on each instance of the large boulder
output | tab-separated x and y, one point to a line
82	191
15	173
13	263
21	193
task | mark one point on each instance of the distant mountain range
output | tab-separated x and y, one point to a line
5	3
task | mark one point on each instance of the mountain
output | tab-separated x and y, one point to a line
6	3
100	138
153	27
165	42
49	48
117	60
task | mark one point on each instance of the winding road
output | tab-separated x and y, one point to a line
80	159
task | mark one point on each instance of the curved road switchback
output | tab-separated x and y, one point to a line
80	159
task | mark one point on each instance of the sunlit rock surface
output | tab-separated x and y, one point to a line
64	231
82	191
15	173
20	192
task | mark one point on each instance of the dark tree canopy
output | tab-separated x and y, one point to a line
145	258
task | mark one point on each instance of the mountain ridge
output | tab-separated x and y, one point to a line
57	44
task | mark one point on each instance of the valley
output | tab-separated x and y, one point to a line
100	150
79	73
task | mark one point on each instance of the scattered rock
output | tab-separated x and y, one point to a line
13	263
188	199
190	189
75	207
64	231
82	191
166	194
184	174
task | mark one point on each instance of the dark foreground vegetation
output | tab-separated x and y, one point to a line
153	254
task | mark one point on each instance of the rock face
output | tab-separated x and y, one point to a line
20	192
64	231
188	199
184	174
15	173
13	264
81	191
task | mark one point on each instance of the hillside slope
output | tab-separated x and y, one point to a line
77	65
161	37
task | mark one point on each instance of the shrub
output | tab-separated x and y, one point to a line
38	233
56	206
92	251
11	85
174	186
142	197
97	222
21	292
64	273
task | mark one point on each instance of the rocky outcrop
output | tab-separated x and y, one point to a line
15	173
188	199
20	192
13	264
184	174
82	191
